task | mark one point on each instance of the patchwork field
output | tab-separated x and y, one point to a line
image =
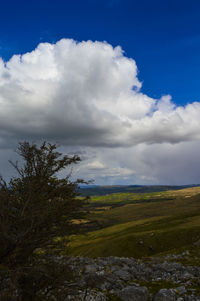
140	224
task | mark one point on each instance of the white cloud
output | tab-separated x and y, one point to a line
95	165
87	94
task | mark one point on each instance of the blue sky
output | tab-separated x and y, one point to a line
162	36
131	112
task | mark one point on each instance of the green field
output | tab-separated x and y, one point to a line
140	224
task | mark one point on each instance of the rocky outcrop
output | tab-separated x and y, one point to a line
117	279
128	279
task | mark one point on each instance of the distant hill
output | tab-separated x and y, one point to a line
92	190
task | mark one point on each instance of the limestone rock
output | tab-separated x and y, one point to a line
165	295
134	293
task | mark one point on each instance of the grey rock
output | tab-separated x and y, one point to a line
89	296
197	243
192	298
181	290
134	293
123	275
186	276
165	295
96	297
91	268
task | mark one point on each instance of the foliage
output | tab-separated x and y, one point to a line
36	206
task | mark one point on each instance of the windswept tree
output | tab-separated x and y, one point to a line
35	207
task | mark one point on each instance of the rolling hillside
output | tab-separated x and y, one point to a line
140	224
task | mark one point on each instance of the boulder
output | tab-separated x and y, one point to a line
165	295
134	293
123	275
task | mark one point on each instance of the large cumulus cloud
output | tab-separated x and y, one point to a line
86	93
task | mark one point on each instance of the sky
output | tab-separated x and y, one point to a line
114	81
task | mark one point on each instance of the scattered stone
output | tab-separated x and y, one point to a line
165	295
181	290
123	275
197	243
131	293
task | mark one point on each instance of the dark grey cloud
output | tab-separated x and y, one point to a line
174	164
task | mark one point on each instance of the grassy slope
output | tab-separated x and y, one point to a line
143	224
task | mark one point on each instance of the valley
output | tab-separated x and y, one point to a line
140	224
